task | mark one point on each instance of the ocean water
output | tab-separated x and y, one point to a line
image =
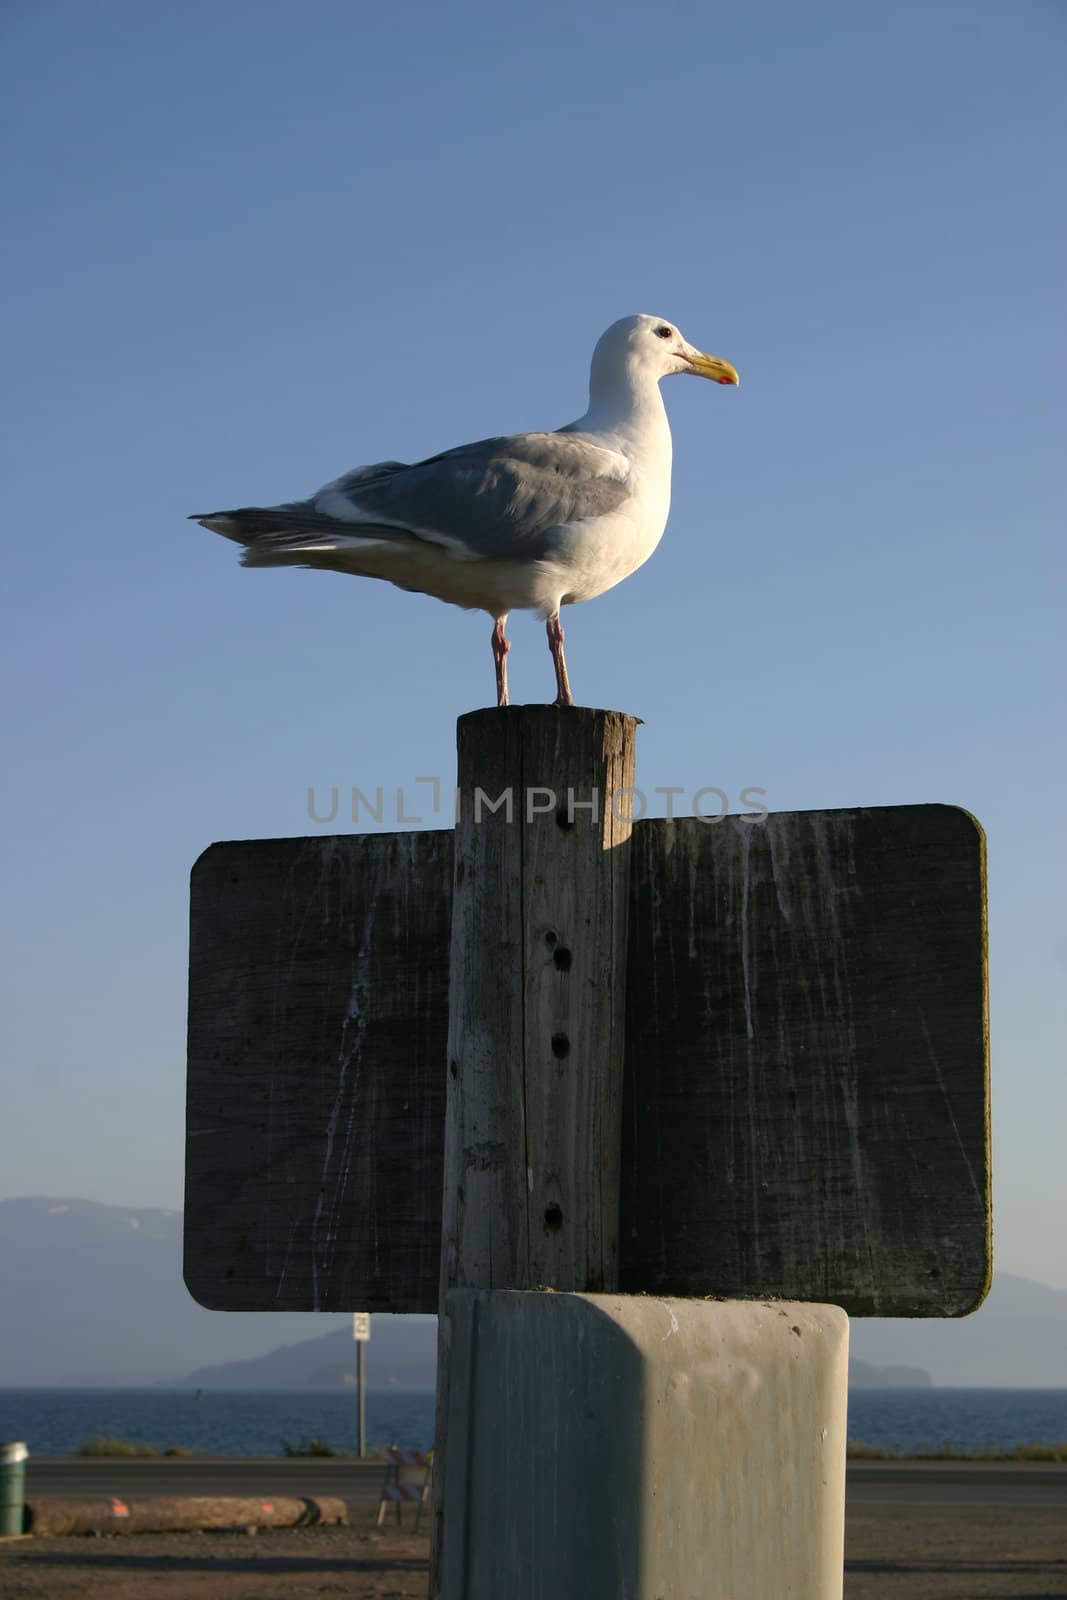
247	1422
229	1422
972	1419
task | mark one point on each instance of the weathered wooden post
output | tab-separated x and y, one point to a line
537	1012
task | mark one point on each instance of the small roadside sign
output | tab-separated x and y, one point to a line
361	1325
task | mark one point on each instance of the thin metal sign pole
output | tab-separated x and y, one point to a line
361	1385
361	1333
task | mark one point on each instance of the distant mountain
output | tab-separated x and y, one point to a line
93	1295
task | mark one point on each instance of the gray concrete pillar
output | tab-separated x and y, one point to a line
617	1447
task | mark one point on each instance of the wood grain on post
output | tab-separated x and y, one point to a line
536	1010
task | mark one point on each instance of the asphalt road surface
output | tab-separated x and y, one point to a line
871	1483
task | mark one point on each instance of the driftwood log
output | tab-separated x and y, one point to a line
176	1513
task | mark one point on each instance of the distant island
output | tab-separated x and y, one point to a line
406	1354
402	1351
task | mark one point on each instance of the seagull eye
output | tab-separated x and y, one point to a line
662	333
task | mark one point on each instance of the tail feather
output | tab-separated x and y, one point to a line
295	535
249	524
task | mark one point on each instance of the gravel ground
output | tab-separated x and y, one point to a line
276	1565
925	1553
955	1553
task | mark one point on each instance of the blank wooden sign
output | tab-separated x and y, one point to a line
318	1013
806	1074
807	1096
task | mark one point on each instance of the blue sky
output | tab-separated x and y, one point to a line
259	244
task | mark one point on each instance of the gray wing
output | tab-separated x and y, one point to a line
483	500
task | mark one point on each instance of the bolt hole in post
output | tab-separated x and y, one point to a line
563	820
553	1218
561	1046
562	958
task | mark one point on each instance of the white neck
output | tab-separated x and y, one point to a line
627	402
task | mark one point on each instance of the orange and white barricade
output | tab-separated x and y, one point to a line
407	1482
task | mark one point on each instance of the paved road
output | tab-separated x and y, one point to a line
936	1483
352	1480
869	1483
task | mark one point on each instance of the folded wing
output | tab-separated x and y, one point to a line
483	501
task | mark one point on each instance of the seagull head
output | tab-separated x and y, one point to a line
651	347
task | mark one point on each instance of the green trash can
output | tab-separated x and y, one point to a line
12	1488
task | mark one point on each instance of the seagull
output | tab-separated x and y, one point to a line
526	521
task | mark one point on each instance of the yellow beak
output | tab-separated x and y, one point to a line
711	367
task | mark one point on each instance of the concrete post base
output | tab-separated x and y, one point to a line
617	1447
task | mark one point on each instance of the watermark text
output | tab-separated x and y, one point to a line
397	807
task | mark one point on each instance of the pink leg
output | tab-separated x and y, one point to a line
555	643
501	646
